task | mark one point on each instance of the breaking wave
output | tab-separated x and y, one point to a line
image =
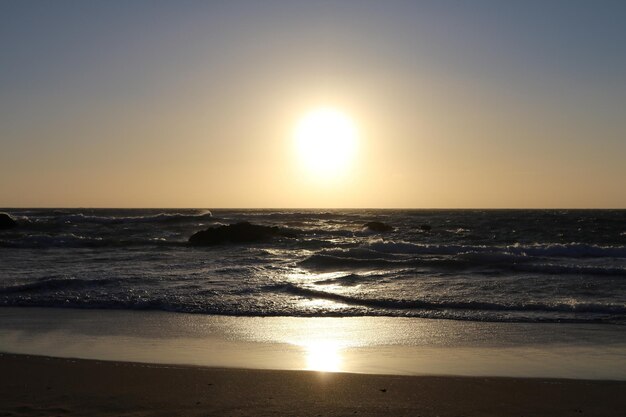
470	265
388	303
570	250
153	218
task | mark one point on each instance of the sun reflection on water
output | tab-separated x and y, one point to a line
323	355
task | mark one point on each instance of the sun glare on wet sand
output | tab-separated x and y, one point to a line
323	356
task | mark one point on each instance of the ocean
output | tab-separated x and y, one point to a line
529	266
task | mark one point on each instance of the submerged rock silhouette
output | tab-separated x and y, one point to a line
6	221
242	232
378	227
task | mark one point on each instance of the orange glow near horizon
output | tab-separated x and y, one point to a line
234	105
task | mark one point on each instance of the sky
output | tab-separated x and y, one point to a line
455	104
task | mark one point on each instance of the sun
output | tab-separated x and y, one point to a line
326	142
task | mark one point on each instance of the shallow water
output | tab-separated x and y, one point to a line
384	345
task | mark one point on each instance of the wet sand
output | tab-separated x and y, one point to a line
366	345
42	386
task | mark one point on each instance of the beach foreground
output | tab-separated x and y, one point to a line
36	386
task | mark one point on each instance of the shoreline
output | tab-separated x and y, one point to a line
39	385
368	345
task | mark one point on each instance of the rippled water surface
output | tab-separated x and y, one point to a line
482	265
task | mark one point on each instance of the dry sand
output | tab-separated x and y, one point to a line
41	386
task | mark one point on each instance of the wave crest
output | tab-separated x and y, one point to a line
404	304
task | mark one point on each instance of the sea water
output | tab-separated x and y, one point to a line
558	266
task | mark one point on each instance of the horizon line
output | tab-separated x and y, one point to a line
302	208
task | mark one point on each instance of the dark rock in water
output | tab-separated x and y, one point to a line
6	222
243	232
378	227
425	227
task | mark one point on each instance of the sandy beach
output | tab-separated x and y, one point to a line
42	386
